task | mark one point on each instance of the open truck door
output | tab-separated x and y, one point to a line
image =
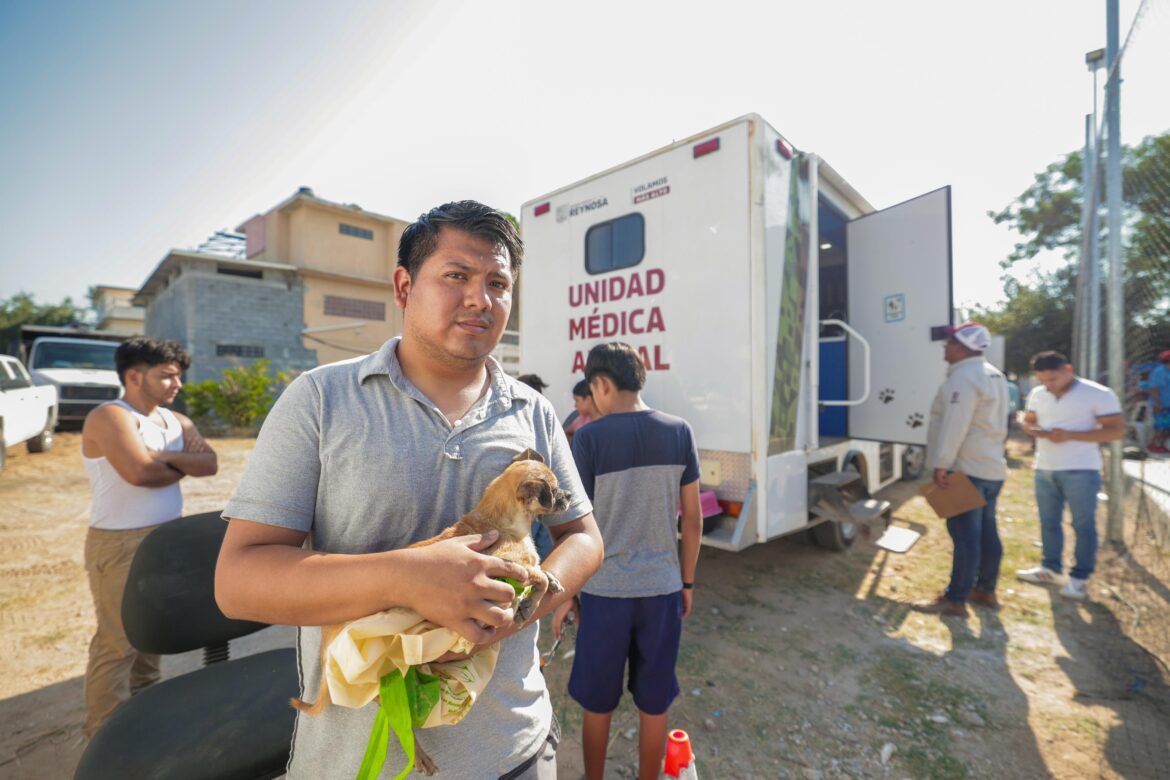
899	293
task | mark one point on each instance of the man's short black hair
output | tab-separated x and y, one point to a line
142	351
1049	360
581	389
420	238
618	361
534	381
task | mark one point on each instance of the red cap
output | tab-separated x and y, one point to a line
678	752
1164	357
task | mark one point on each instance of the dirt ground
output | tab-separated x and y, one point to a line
797	662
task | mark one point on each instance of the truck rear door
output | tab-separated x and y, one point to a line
899	292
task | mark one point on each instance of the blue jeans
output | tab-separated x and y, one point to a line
542	539
1077	488
978	551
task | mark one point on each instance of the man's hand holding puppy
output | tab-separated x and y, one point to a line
474	601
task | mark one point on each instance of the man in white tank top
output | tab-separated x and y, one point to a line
135	452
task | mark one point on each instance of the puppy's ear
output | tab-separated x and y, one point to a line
536	490
529	454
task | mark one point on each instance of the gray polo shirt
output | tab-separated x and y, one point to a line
356	456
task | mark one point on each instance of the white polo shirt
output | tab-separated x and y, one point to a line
1076	410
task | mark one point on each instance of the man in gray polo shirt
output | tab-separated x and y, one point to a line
364	457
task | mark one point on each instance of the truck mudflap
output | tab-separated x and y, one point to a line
731	533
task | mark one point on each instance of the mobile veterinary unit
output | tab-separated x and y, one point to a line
793	325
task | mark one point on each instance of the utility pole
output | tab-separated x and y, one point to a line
1082	314
1115	525
1095	60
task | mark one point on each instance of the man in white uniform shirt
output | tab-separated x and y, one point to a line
1070	417
968	424
135	452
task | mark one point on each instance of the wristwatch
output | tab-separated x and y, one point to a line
688	586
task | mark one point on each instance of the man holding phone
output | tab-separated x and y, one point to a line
1070	417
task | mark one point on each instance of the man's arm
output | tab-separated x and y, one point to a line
111	432
576	556
265	574
1111	428
692	538
197	459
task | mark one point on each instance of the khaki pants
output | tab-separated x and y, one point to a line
116	671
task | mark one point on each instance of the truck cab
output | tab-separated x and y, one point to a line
81	370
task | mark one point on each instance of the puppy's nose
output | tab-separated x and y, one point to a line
561	498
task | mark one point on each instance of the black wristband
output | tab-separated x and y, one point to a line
688	586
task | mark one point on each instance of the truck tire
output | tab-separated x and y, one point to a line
835	536
913	462
43	441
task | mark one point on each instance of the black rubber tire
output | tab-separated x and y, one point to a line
835	536
913	463
43	441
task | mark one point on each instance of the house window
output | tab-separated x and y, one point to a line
247	273
238	350
356	232
618	243
337	306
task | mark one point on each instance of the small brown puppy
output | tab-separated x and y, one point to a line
525	490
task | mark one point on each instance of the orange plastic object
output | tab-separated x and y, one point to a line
678	752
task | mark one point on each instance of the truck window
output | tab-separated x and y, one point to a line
96	355
618	243
11	378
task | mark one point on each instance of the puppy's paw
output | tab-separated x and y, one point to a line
423	764
554	585
524	609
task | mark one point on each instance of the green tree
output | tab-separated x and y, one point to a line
22	309
1047	216
1036	317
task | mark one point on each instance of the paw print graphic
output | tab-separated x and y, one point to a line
915	420
887	395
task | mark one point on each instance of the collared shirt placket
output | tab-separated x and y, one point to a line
485	410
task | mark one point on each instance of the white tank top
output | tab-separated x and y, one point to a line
120	506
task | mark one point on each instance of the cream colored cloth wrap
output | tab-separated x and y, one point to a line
367	649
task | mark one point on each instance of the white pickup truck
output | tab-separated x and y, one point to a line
28	412
82	370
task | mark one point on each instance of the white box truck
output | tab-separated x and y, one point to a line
794	326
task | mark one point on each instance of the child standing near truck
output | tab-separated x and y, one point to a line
639	466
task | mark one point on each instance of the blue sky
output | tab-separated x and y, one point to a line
132	128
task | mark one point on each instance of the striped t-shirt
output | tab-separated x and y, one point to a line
632	465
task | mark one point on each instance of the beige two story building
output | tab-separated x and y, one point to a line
116	310
345	256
